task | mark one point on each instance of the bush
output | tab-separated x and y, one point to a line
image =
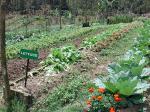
119	19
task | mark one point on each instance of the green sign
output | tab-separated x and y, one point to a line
29	54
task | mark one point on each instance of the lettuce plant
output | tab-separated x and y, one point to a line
60	58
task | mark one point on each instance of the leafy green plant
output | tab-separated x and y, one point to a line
121	86
60	58
132	66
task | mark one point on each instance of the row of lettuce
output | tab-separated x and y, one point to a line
128	80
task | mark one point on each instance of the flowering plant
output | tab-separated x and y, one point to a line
102	100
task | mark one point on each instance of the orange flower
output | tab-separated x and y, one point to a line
101	90
88	102
112	109
93	97
99	98
91	90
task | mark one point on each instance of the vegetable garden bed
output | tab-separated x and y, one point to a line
39	81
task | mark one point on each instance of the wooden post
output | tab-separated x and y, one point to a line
27	69
60	14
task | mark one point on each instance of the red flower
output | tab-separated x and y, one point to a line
118	99
112	109
91	90
101	90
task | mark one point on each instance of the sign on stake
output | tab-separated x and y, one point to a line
28	54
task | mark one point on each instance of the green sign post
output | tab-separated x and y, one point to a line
28	54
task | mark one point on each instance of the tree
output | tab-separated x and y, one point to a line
3	53
62	7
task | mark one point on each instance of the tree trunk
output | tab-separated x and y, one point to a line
86	16
60	20
3	54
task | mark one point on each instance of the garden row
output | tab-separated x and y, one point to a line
127	81
38	40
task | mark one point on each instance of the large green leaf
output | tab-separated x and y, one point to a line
126	87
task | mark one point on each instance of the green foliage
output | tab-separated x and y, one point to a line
122	87
143	43
60	58
120	19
